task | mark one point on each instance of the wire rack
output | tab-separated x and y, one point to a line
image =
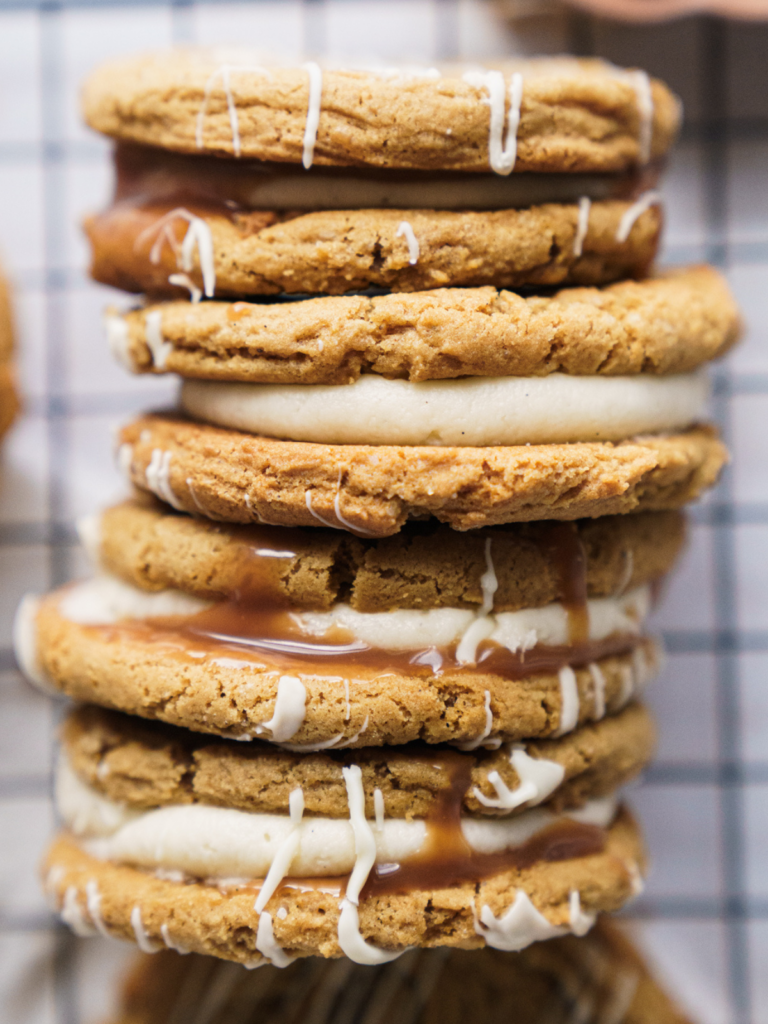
704	916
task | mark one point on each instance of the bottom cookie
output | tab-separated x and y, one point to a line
597	979
538	899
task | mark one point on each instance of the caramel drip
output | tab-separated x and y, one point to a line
270	638
565	548
448	867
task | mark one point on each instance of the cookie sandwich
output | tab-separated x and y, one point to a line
436	727
474	406
236	178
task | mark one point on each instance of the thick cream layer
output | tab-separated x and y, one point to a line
223	843
104	600
470	411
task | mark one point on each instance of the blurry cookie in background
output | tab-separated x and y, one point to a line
597	979
9	402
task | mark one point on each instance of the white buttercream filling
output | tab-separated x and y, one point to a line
224	843
104	600
469	411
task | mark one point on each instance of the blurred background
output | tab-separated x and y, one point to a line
703	919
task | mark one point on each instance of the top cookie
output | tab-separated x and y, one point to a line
537	115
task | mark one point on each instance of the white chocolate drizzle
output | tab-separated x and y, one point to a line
158	477
336	742
627	686
172	943
378	808
598	685
641	83
519	925
185	281
313	112
290	710
635	211
539	778
143	941
404	230
198	235
281	862
480	740
341	522
118	340
158	347
93	904
267	945
351	941
501	156
580	921
483	625
224	73
569	701
72	914
582	225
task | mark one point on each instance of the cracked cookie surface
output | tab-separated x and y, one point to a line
332	252
426	565
662	325
575	114
374	490
145	764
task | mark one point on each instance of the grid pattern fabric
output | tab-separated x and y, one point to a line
704	916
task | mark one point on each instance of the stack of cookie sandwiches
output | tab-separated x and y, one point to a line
359	666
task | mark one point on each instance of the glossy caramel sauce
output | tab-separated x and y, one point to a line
565	549
273	642
255	625
446	859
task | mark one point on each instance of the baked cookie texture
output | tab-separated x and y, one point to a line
424	566
204	919
575	115
146	764
143	672
670	323
598	974
264	253
374	490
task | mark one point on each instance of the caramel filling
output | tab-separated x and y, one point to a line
147	176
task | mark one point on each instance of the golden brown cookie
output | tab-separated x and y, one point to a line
157	670
138	906
146	764
600	976
236	477
574	115
662	325
424	566
139	248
